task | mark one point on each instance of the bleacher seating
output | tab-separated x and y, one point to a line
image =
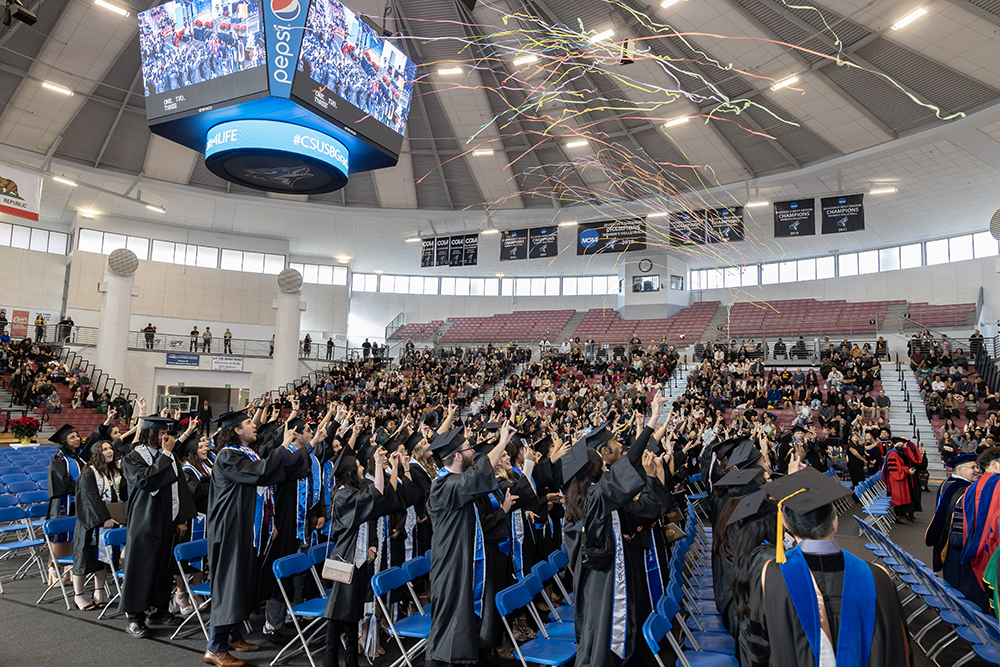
604	325
923	315
802	317
522	326
417	330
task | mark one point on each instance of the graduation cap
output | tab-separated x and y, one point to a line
345	462
745	455
447	443
543	444
577	459
160	423
268	429
739	477
295	424
412	441
597	437
59	437
725	447
956	461
491	427
753	507
809	494
231	419
366	451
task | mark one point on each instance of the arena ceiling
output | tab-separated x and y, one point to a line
872	105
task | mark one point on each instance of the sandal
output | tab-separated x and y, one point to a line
90	606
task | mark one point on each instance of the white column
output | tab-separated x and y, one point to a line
287	320
112	336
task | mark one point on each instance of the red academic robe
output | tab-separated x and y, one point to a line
897	477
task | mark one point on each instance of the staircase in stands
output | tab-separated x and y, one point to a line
570	328
718	320
900	418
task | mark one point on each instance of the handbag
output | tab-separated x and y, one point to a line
337	569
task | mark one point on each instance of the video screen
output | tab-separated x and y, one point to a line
196	53
351	74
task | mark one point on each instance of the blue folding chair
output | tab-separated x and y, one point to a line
656	628
559	561
184	554
20	487
542	650
28	470
9	470
415	568
13	478
43	484
698	640
566	629
64	565
286	568
114	537
413	627
8	500
16	518
545	572
38	477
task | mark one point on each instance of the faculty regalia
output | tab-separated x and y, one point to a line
240	519
979	521
92	494
897	478
457	568
945	536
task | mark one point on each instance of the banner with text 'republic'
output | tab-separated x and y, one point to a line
20	193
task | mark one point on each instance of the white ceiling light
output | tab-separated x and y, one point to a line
378	272
601	36
784	83
64	181
88	213
568	223
524	60
110	7
482	153
55	87
882	191
154	207
450	71
413	239
490	230
676	121
343	259
757	204
499	275
658	215
576	144
667	3
909	18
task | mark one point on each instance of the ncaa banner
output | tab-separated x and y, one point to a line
471	250
20	193
543	242
426	253
794	218
845	213
724	225
611	236
687	228
514	245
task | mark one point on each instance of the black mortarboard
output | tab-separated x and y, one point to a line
447	443
232	419
411	442
484	448
543	444
745	455
161	423
363	439
185	446
809	494
750	508
723	448
345	461
59	437
489	427
597	437
577	459
365	452
739	477
293	424
267	429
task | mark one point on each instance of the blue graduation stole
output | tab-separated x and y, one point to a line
73	468
976	515
263	516
309	489
857	607
653	578
505	545
329	481
479	562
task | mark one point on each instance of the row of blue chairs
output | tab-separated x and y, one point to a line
22	485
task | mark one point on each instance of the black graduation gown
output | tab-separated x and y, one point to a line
98	435
149	564
199	487
748	628
61	484
91	513
499	572
594	589
782	631
232	501
422	533
638	516
450	506
353	508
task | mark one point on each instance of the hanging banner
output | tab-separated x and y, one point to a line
687	228
456	255
471	250
611	236
724	225
442	251
221	363
845	213
543	242
20	193
19	323
182	359
794	218
426	252
514	245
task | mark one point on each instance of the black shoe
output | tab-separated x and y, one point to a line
276	638
137	629
161	617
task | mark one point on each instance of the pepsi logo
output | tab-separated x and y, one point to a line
285	10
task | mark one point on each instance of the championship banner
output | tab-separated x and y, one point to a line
845	213
611	236
456	254
724	225
442	249
471	250
687	228
20	193
514	245
426	253
543	242
794	218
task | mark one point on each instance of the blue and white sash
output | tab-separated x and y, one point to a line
263	516
479	563
619	607
73	469
309	490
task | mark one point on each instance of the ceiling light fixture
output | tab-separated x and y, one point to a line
499	275
784	83
882	191
110	7
757	204
88	213
344	259
448	72
64	181
524	60
667	3
378	272
55	87
154	207
676	121
662	214
490	230
576	144
413	239
568	223
601	36
482	153
909	18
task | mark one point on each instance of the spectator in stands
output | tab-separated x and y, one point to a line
971	407
76	402
270	351
64	328
3	320
976	343
89	398
366	349
149	333
992	404
193	346
227	342
329	348
307	343
951	405
53	403
545	345
410	347
780	350
882	405
206	345
803	414
39	328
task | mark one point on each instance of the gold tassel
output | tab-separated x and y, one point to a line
779	548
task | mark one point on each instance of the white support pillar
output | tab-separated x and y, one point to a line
117	290
287	321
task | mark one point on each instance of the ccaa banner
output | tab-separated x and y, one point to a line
845	213
427	252
20	193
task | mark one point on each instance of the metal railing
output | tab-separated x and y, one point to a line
812	328
397	323
955	319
